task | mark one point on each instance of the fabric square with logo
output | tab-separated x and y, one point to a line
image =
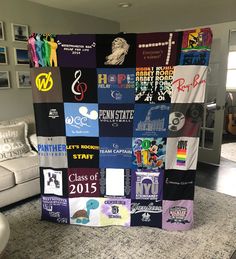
148	153
115	50
116	85
79	85
115	212
151	120
53	181
81	119
83	182
55	209
83	152
115	152
116	120
153	84
147	184
185	119
179	185
49	119
157	49
76	50
85	211
146	213
115	182
177	215
46	85
196	46
182	153
189	84
52	152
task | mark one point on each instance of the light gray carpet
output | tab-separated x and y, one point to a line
213	237
228	151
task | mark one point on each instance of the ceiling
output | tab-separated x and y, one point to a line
141	9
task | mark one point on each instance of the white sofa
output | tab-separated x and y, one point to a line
19	177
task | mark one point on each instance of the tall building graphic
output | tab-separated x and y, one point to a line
151	125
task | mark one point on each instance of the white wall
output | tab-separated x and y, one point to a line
16	102
180	21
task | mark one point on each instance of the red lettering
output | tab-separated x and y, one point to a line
181	85
121	78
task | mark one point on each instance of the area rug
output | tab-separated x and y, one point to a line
213	236
228	151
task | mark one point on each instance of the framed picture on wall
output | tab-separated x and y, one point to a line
3	55
4	80
23	79
2	37
20	32
21	56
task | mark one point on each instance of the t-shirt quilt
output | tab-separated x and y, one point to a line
118	120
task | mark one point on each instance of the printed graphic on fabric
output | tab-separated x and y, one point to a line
81	119
116	120
116	50
53	181
76	50
55	209
182	153
151	120
116	85
42	50
196	46
157	49
146	213
189	84
83	182
52	152
177	215
148	153
85	211
83	152
115	212
185	120
49	118
153	84
79	85
115	152
46	85
147	185
115	182
179	185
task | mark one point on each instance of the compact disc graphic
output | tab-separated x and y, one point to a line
195	112
176	121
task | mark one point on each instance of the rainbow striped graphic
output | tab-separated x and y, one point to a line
181	153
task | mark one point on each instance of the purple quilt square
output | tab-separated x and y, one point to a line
76	50
55	209
177	215
147	184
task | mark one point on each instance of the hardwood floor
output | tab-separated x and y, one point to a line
219	178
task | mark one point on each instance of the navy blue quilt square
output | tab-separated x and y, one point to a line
116	85
116	120
115	152
151	120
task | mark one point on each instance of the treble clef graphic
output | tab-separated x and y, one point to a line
78	88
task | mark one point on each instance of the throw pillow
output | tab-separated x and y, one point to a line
13	141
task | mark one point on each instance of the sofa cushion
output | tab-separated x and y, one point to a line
7	179
13	141
24	168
